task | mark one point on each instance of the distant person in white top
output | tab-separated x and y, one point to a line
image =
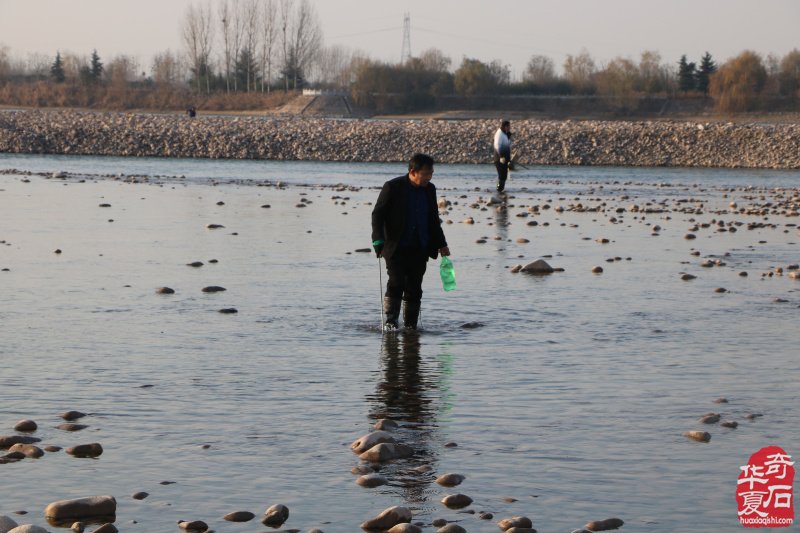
502	153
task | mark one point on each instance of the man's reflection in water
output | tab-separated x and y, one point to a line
501	221
408	393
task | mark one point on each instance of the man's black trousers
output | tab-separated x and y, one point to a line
406	269
502	175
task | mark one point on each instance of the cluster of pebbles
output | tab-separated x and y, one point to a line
78	513
210	289
712	418
375	449
382	445
692	210
684	144
24	446
758	209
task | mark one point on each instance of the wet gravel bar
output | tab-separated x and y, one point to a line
612	143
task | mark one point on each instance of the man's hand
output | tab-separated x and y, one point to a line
444	250
378	249
502	160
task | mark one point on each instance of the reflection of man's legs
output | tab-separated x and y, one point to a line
502	175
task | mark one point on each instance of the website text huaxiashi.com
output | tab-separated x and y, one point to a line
773	521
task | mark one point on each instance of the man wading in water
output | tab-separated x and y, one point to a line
406	231
502	153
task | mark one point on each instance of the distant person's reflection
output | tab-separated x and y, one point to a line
407	392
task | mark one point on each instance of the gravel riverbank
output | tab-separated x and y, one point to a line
680	144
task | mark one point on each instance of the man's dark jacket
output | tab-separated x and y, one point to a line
389	217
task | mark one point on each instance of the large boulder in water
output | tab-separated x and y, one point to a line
388	519
26	426
8	442
386	451
369	440
604	525
520	522
276	515
540	266
6	524
28	528
81	508
94	449
29	450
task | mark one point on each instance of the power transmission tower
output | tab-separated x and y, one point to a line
405	54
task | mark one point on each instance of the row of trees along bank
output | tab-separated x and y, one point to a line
237	52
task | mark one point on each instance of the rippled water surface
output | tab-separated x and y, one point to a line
570	396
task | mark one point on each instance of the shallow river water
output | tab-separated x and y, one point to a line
567	397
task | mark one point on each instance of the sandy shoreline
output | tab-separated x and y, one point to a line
591	143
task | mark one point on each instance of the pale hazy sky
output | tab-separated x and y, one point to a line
509	30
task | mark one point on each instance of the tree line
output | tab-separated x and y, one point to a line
236	53
245	45
746	82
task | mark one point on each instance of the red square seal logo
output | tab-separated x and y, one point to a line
764	489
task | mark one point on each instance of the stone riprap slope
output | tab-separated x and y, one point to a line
684	144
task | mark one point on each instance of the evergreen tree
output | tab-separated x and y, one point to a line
203	75
707	68
687	80
57	69
245	70
292	72
96	67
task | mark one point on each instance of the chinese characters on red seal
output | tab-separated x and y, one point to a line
764	489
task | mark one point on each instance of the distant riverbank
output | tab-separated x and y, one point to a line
680	144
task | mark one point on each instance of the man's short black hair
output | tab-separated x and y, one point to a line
505	123
420	161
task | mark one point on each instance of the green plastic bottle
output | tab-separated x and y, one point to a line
448	274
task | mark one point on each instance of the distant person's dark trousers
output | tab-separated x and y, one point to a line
502	175
406	268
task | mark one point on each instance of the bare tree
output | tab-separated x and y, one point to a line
790	74
333	69
191	39
250	12
121	70
225	14
166	69
651	72
5	62
306	40
618	79
579	70
737	85
237	33
434	60
540	69
285	17
359	62
198	34
206	41
73	64
500	72
38	65
269	34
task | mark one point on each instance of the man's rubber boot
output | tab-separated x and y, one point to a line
391	310
410	314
